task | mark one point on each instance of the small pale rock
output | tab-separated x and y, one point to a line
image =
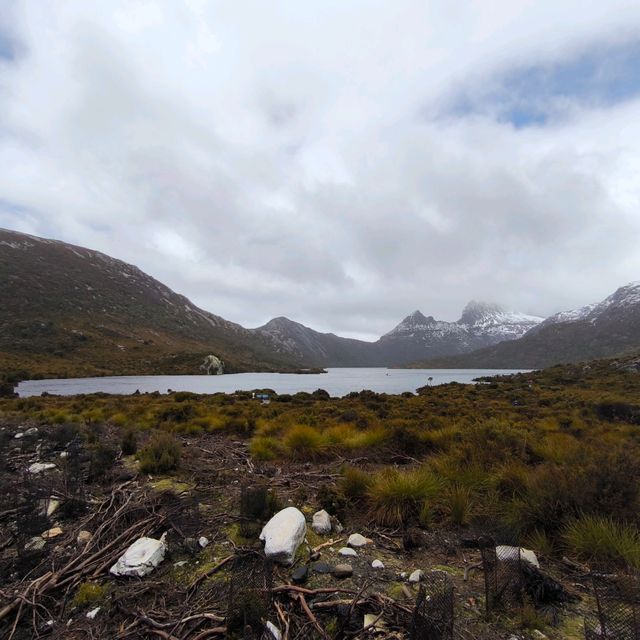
141	558
35	544
343	571
337	527
19	435
93	613
416	576
52	506
52	533
273	630
373	622
283	534
31	432
180	563
64	454
506	553
538	634
39	467
377	564
321	522
84	537
347	551
203	541
356	540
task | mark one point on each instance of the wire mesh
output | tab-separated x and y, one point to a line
503	577
433	614
249	597
617	614
254	507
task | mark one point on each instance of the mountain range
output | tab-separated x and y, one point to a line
67	311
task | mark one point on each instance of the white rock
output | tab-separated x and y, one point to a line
52	506
321	522
19	435
506	553
347	551
203	542
377	564
141	558
31	432
93	613
64	454
35	544
416	576
39	467
356	540
180	563
283	534
273	630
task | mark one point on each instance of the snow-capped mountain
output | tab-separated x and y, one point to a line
480	325
599	330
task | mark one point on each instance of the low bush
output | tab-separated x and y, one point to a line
603	540
303	443
161	455
354	483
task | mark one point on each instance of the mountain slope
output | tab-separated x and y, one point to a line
319	349
480	325
415	337
68	310
599	330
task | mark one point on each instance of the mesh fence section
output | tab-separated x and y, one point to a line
433	614
254	507
249	597
503	576
617	614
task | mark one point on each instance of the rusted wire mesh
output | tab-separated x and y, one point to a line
433	613
249	598
503	577
617	614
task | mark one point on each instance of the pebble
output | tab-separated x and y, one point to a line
377	564
300	574
321	522
343	571
52	533
416	576
203	541
39	467
35	544
93	613
322	567
356	540
84	537
273	630
347	551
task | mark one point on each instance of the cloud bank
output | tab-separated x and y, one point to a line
338	163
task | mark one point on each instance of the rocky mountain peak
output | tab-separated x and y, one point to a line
476	311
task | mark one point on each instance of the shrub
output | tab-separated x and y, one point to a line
303	443
603	540
354	483
129	444
458	504
396	497
101	460
265	448
161	455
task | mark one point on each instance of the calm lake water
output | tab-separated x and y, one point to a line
338	382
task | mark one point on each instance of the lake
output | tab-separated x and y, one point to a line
338	382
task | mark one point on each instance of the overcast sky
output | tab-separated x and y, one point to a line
340	162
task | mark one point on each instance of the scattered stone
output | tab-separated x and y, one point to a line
84	537
19	435
283	534
373	622
300	574
321	567
141	558
203	541
64	454
93	613
506	553
377	564
52	533
356	540
321	522
343	571
53	505
337	526
31	432
273	630
416	576
538	634
180	563
35	544
40	467
347	551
